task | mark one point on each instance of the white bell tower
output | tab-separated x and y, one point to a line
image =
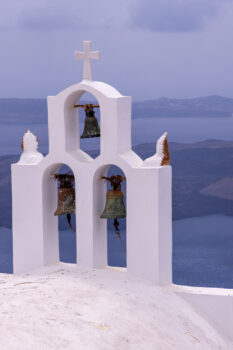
34	193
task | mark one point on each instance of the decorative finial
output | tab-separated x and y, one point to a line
161	156
166	154
29	146
87	55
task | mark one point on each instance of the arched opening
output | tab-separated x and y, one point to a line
59	216
74	122
67	225
110	205
117	243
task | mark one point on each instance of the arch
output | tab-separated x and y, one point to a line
96	88
115	131
100	229
50	222
71	96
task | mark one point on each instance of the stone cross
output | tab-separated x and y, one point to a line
87	55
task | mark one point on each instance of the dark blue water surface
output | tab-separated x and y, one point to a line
202	250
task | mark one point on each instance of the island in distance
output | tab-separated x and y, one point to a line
201	107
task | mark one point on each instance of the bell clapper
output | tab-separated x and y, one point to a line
116	225
69	222
117	231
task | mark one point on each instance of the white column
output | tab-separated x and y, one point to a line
56	125
27	218
149	231
115	126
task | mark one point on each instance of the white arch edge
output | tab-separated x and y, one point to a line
94	87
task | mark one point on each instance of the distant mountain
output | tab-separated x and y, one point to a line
34	111
210	106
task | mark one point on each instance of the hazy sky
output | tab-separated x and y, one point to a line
149	48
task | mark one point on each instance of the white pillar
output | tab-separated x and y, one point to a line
27	218
115	116
149	231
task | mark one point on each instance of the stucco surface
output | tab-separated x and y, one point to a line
68	308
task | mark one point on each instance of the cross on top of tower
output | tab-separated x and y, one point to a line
87	55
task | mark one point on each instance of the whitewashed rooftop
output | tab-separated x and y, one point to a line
67	308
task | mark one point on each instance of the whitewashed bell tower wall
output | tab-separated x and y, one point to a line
34	192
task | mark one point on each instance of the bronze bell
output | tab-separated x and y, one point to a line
114	207
91	126
66	201
66	197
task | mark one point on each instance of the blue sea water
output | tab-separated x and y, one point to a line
202	250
